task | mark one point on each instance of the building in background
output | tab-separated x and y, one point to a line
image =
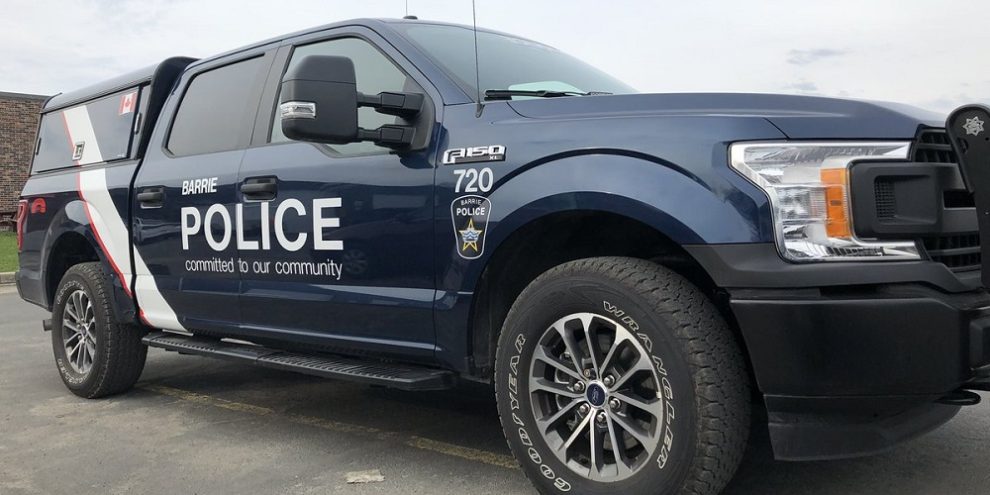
18	127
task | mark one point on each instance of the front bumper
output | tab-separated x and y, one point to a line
759	266
852	370
855	357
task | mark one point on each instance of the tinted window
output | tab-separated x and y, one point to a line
54	146
217	110
507	62
375	73
98	131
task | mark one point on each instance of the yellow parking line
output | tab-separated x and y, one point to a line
449	449
463	452
208	400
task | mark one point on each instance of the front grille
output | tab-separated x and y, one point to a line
958	252
933	146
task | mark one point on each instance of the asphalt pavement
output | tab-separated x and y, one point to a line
198	425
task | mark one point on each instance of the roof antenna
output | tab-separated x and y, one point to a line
477	69
407	16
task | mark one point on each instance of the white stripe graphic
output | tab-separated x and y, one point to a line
154	307
80	130
109	227
114	238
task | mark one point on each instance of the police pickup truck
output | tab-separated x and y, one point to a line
633	273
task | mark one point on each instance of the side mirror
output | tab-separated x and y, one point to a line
319	103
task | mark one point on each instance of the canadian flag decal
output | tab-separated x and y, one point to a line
127	102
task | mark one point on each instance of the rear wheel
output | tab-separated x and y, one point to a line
96	355
616	375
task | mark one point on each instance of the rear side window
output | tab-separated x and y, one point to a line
94	132
217	110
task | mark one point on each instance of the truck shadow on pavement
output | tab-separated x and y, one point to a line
466	418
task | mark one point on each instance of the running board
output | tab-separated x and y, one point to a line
394	375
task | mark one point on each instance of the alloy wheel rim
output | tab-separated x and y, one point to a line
79	331
596	397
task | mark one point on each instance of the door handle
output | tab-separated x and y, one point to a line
260	188
152	197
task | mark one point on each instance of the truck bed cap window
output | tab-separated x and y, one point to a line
94	132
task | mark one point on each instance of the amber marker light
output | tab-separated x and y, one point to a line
834	181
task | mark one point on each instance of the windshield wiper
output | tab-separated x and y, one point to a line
507	94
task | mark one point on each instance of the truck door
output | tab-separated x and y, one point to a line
339	239
185	198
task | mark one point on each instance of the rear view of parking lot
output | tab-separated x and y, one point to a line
195	425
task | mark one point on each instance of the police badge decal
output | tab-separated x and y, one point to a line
470	215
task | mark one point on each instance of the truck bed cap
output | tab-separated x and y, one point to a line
161	75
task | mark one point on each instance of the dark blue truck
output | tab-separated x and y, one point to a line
634	273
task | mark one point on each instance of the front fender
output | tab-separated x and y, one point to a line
680	205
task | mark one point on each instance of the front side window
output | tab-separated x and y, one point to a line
217	110
375	73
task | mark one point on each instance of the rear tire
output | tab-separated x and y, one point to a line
96	355
666	411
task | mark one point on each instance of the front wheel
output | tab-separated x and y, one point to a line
96	355
616	375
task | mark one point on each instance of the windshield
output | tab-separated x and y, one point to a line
506	62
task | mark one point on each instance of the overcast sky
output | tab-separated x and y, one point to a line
927	53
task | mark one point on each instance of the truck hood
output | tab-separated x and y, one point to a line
798	117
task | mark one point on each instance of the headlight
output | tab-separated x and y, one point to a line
808	186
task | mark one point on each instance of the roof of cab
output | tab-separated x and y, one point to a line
366	22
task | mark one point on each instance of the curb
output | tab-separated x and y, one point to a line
6	278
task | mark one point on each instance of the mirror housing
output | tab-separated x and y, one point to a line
319	103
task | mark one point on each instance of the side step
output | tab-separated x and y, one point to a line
400	376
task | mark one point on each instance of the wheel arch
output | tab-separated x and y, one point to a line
68	237
69	249
548	241
625	204
71	240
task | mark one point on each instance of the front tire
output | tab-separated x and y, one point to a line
96	355
617	375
